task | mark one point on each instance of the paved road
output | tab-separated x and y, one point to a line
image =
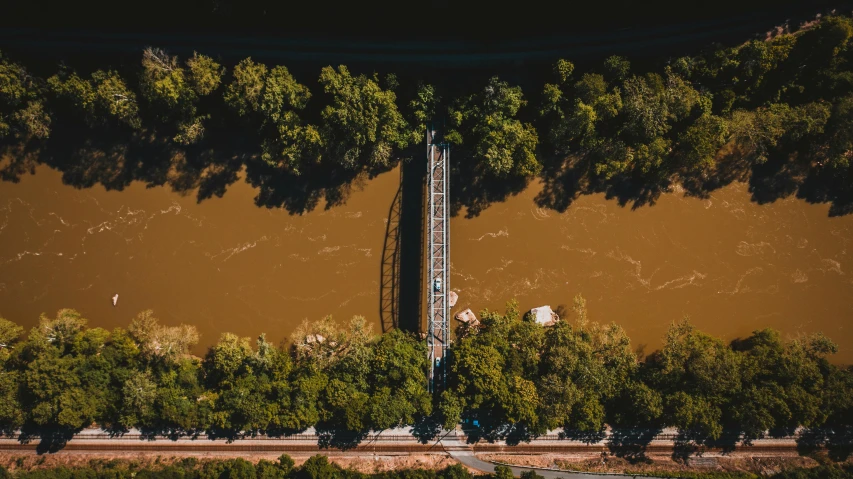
469	459
457	450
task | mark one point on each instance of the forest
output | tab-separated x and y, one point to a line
508	378
776	111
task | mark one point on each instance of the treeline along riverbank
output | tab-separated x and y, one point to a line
509	379
319	467
774	111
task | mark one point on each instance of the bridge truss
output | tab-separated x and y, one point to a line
438	284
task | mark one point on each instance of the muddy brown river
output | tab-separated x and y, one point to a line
224	264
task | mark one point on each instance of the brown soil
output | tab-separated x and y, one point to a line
361	463
736	462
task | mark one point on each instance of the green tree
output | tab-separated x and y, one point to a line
499	141
272	100
398	373
9	333
423	108
22	108
12	414
698	377
104	98
139	392
361	124
840	135
582	367
645	107
617	67
700	143
317	467
174	91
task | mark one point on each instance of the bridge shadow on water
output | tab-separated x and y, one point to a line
400	298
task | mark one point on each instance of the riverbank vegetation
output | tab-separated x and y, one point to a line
508	379
774	111
319	467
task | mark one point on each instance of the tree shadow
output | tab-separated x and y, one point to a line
838	442
631	444
341	439
426	429
637	192
686	444
472	187
563	181
775	179
115	158
50	439
826	186
729	167
480	426
587	437
152	433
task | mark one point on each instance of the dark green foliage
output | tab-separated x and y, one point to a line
22	106
361	125
103	99
513	377
174	91
271	100
488	123
781	97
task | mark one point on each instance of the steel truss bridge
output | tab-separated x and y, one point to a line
438	240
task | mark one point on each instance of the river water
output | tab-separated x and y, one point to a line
225	264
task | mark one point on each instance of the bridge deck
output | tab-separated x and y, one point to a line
438	283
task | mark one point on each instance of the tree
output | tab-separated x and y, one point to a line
582	367
272	99
361	125
503	472
317	467
500	142
60	331
423	109
166	342
698	376
104	98
839	155
9	333
205	74
398	372
244	92
139	393
702	140
174	91
617	67
11	411
22	109
645	107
